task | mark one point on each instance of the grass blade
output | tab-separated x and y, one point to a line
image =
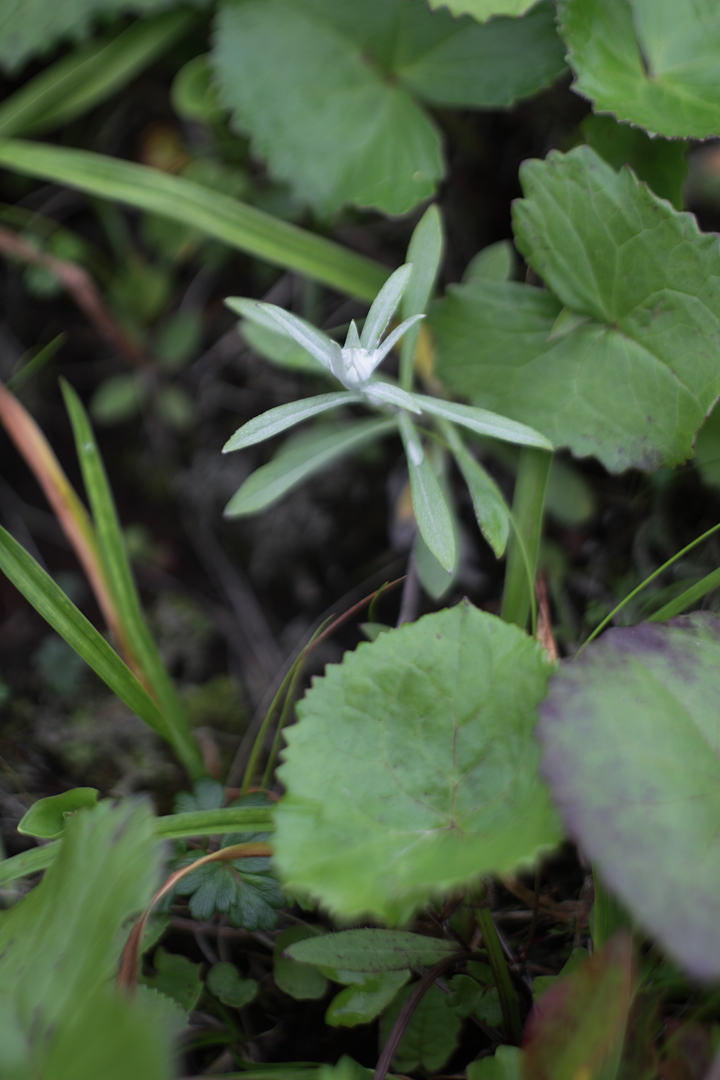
229	220
76	83
50	601
687	598
146	659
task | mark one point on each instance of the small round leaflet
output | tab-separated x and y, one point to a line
413	769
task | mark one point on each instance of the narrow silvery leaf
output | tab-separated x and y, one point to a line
393	338
483	422
318	344
276	420
390	394
491	510
301	458
352	341
431	510
383	307
424	252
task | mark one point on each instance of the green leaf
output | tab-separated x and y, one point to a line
465	996
119	398
371	951
413	769
206	794
280	350
622	384
491	510
78	82
226	219
300	980
431	1035
304	78
244	889
281	418
495	263
59	949
361	1002
483	422
302	457
484	9
542	983
431	510
47	818
504	1065
50	601
464	65
654	63
424	255
687	598
30	27
176	977
578	1026
630	749
226	983
662	163
114	553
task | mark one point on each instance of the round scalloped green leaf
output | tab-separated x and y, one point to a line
328	90
484	9
655	63
632	374
631	748
413	768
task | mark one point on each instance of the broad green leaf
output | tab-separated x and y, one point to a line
47	818
654	63
60	946
300	458
281	418
361	1002
491	510
662	163
707	450
484	9
371	951
482	422
505	1064
431	1035
294	977
176	977
459	64
112	545
413	769
48	599
305	77
297	79
30	27
629	736
232	222
623	384
79	82
226	983
578	1027
429	505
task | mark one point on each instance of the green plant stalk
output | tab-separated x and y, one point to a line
656	573
284	717
228	220
608	913
527	518
501	974
251	767
171	827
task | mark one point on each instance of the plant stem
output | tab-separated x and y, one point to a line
528	503
501	973
284	716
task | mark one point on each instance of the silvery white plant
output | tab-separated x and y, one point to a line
355	366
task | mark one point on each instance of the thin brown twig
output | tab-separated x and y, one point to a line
81	287
405	1014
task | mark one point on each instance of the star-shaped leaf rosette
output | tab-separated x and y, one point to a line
397	407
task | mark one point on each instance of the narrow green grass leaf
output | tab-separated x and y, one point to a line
300	459
280	419
29	862
228	220
79	82
687	598
112	545
50	601
431	511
